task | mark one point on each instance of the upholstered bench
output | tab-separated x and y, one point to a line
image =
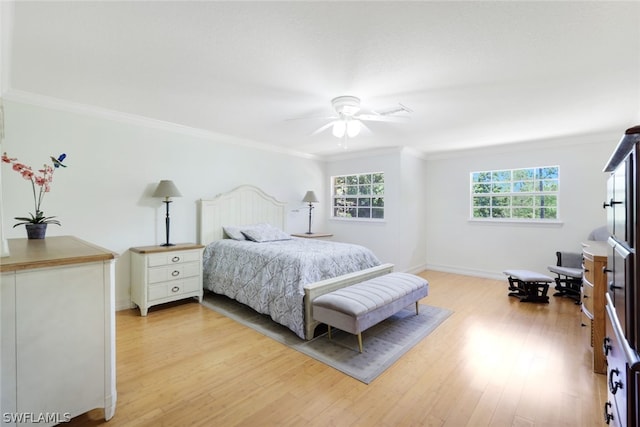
528	286
358	307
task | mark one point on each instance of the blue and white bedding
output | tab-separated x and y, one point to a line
270	276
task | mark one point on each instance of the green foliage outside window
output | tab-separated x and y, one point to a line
521	194
358	196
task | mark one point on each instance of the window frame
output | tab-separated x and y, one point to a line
378	206
534	194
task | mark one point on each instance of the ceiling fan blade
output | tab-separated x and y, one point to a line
379	118
312	118
323	128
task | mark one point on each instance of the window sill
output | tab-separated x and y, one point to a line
358	220
525	222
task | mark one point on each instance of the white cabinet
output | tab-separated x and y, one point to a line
57	331
161	274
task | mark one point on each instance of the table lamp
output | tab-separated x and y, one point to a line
167	189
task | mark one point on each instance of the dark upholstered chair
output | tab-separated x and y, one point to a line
568	270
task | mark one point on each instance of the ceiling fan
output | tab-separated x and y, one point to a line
348	121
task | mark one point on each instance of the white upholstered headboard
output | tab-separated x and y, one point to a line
241	206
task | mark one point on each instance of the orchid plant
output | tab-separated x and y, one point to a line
40	184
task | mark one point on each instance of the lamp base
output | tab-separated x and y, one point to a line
167	244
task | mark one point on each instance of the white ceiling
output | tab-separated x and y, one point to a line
475	73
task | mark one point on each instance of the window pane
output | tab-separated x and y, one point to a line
338	180
500	201
522	186
523	213
501	176
481	213
350	212
364	213
339	191
547	173
377	213
378	189
378	202
481	188
481	177
550	185
352	190
352	180
365	189
547	213
523	174
378	178
500	212
522	201
546	201
481	201
501	188
364	179
364	202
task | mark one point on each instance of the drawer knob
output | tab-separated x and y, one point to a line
175	289
175	259
175	273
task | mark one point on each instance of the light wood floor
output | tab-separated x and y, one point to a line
494	362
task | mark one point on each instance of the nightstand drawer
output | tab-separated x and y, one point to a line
174	288
172	258
173	272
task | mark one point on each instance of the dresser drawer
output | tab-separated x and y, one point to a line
174	288
173	272
589	269
587	327
172	258
587	296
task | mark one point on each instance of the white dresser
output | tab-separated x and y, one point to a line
57	331
161	274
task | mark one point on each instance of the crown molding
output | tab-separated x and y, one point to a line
57	104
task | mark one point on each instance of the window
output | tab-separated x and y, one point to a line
520	194
358	196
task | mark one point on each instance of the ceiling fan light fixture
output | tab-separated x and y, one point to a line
353	128
339	128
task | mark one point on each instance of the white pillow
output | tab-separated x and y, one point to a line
233	232
264	233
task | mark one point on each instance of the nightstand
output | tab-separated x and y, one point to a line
161	274
312	235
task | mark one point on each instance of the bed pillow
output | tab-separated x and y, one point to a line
264	233
233	232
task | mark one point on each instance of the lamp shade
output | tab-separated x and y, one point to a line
310	197
167	189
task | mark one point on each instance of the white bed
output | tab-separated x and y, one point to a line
247	205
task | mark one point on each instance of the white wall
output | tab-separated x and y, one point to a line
399	239
458	245
104	195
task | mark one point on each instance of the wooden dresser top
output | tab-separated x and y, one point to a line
55	251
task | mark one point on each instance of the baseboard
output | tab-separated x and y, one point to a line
124	305
466	271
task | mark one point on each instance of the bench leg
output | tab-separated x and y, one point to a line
417	309
360	341
329	331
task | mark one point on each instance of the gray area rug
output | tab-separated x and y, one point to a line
383	343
